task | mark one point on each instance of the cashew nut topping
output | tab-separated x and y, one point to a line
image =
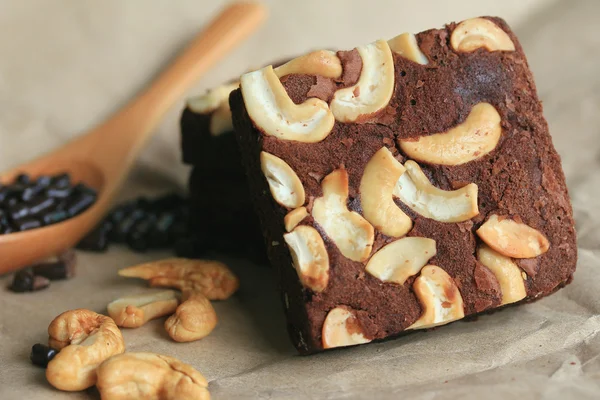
220	120
415	190
475	137
374	88
475	33
194	319
439	297
132	376
274	113
294	217
85	339
322	62
507	273
351	233
213	99
341	328
406	45
135	311
286	187
401	259
211	278
310	257
376	188
513	239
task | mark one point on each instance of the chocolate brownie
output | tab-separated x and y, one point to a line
221	214
405	184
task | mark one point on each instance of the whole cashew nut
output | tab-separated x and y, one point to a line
194	319
211	278
133	376
85	339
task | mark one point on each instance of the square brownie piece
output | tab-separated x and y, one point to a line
405	184
221	218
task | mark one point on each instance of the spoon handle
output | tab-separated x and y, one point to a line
114	145
229	29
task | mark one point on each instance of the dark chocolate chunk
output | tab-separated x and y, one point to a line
26	224
23	179
121	231
61	181
41	354
62	268
59	192
55	216
41	204
138	238
161	235
82	198
97	240
26	281
17	211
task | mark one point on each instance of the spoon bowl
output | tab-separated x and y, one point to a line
103	157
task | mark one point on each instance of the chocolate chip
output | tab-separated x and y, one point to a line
58	192
23	179
26	281
41	354
63	268
121	231
26	224
31	203
97	240
138	239
40	205
81	198
61	181
55	216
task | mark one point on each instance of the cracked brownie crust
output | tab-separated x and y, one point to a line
508	238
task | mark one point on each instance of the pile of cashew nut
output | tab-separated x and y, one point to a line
91	349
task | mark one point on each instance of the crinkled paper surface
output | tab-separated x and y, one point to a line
67	64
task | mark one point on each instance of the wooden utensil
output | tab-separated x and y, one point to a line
103	157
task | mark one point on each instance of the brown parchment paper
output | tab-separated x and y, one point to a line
67	64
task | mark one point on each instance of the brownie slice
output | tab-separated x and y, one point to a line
222	218
405	184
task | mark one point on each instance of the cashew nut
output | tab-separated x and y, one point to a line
401	259
213	99
475	137
194	319
211	278
341	328
513	239
439	297
376	188
351	233
274	113
507	273
220	120
322	62
285	185
135	311
415	190
310	257
406	45
85	339
133	376
294	217
374	88
475	33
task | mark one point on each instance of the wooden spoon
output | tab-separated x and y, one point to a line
103	157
